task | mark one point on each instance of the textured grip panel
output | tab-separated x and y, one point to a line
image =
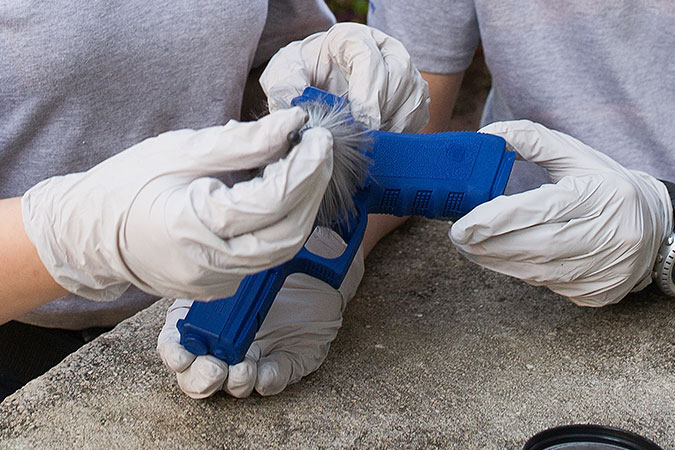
439	176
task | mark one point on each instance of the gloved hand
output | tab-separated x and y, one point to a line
374	70
293	341
155	215
592	236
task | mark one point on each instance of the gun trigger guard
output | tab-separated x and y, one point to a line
334	270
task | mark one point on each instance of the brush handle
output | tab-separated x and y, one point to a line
438	176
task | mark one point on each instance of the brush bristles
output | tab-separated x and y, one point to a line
351	142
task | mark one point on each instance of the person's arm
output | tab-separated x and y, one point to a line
150	217
443	91
25	283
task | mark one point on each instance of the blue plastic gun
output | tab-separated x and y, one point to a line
438	176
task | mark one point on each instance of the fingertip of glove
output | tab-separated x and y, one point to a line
196	395
318	136
241	379
269	380
459	235
205	376
242	373
293	118
504	127
299	114
316	145
175	356
210	367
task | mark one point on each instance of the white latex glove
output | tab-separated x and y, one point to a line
592	236
374	70
293	341
155	216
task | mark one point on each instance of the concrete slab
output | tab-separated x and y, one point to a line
434	353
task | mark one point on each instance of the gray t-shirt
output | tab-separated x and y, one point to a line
81	81
603	72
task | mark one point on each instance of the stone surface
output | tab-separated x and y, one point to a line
434	353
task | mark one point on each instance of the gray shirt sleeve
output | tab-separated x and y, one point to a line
440	35
81	81
288	21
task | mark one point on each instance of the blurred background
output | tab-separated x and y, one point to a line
476	84
349	10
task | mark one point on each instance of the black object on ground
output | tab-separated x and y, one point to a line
588	437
